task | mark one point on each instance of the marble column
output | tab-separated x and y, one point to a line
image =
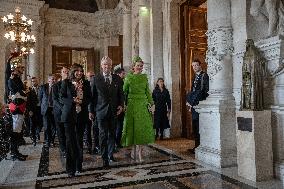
144	35
217	113
3	59
127	38
156	41
33	67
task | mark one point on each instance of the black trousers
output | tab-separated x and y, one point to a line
49	126
107	136
15	142
119	127
60	131
92	127
96	133
72	151
195	126
38	120
74	132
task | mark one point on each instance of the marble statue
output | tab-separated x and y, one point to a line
253	74
275	17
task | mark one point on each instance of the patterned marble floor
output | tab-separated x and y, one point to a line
162	168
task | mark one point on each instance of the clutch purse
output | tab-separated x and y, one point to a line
150	108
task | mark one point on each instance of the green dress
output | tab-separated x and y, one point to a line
138	123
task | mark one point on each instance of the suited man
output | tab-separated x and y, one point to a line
107	103
37	117
75	94
46	104
32	101
199	92
57	111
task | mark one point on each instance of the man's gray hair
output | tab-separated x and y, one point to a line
106	59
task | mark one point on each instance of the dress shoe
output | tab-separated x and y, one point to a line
38	137
96	150
63	153
89	151
47	144
112	159
106	164
17	157
34	141
71	174
192	151
22	155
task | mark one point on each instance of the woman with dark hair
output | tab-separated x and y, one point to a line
162	100
75	94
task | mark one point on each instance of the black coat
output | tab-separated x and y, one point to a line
15	85
57	102
199	91
44	98
67	93
162	102
105	97
32	100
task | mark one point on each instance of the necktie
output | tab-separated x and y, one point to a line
50	97
108	81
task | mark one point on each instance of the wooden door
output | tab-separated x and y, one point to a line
193	46
64	57
116	53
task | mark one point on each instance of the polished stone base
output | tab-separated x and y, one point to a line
254	144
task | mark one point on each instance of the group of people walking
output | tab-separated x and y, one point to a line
119	109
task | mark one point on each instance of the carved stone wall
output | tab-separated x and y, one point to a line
81	30
219	45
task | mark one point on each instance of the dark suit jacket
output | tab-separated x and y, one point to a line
200	92
105	97
67	93
57	102
32	100
44	98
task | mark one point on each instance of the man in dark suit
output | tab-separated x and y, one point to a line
57	111
106	104
37	117
46	104
199	92
32	102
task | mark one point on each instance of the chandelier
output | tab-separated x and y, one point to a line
18	29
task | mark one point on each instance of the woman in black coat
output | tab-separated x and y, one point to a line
75	94
162	102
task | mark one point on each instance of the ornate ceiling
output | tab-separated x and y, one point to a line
83	5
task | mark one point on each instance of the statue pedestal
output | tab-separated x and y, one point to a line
254	145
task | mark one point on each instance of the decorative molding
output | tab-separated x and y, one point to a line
271	49
219	46
102	24
35	3
124	7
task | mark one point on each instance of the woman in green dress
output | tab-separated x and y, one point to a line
138	125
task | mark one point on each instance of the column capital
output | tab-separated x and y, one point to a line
220	46
124	7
